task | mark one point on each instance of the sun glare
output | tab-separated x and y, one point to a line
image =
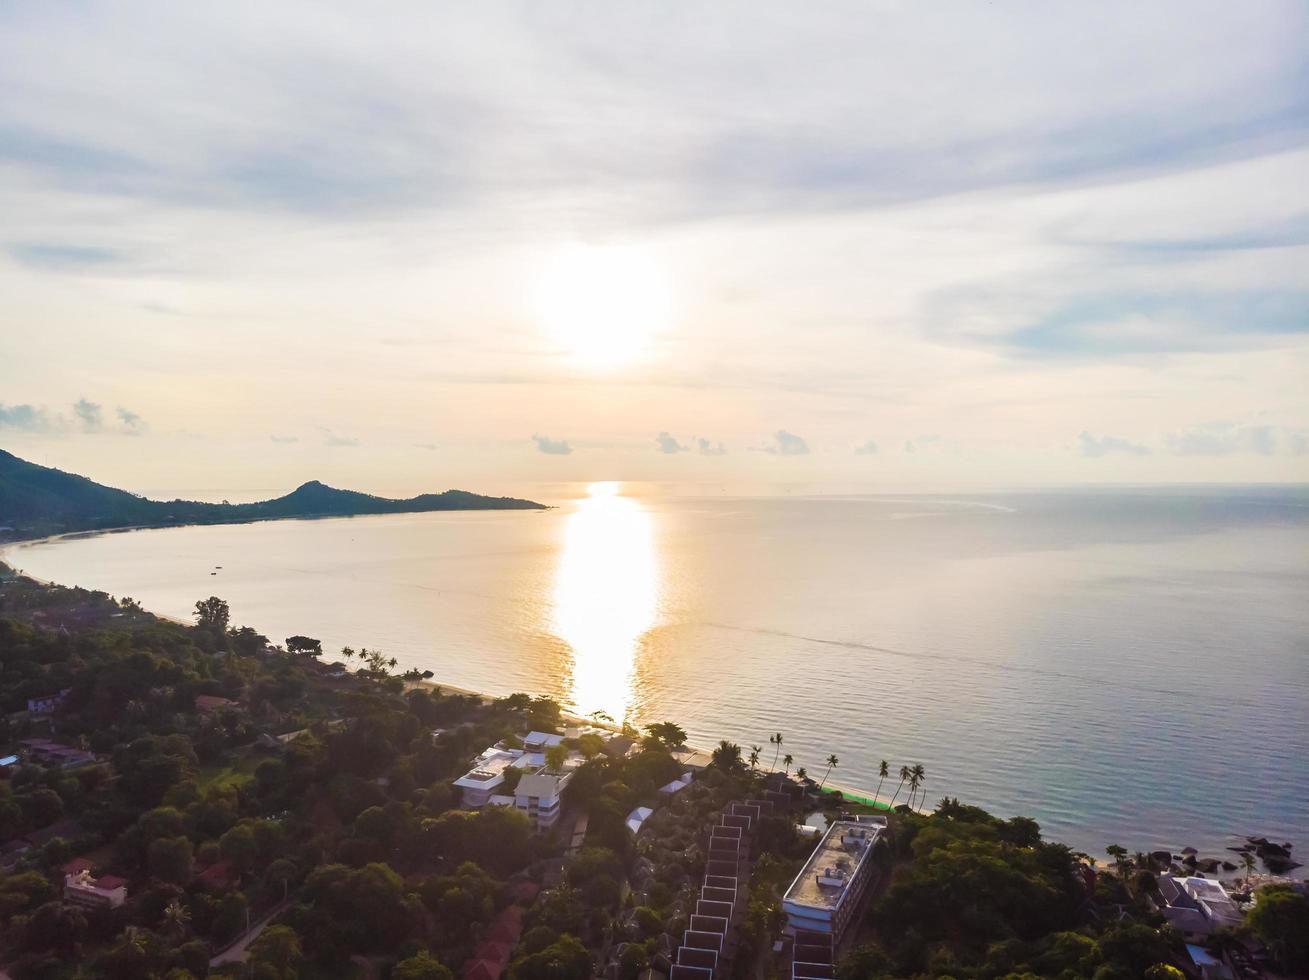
602	304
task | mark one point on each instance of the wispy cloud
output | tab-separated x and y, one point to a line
1089	445
665	443
284	440
786	444
552	447
708	447
868	448
63	258
333	439
24	418
89	415
1223	439
131	423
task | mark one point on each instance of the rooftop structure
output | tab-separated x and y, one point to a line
637	817
105	892
540	741
44	704
538	795
54	754
1196	906
486	776
823	897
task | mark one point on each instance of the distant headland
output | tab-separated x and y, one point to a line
36	501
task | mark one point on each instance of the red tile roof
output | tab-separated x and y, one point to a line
482	970
78	865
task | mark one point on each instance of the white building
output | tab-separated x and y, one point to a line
105	892
485	778
826	892
538	795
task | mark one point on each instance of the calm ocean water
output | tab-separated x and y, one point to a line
1125	666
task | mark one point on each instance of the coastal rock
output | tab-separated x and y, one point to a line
1207	864
1279	865
1189	859
1161	857
1228	866
1189	851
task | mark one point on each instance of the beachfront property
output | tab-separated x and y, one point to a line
1196	906
826	892
539	796
105	892
486	776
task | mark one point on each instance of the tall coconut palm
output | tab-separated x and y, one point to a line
801	774
776	740
883	771
1247	859
915	781
754	756
832	763
905	773
919	775
786	761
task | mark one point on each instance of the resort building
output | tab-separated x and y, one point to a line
46	703
1196	906
46	752
538	795
105	892
485	778
826	892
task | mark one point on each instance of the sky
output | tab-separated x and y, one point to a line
896	245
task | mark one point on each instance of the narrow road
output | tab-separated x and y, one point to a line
236	952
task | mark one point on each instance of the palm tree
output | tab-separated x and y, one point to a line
913	787
917	775
786	761
727	756
777	747
832	763
754	757
905	773
883	771
348	653
801	774
1247	858
176	916
1119	854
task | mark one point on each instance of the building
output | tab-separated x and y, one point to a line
1196	906
105	892
49	753
485	778
824	896
538	795
209	703
46	703
8	766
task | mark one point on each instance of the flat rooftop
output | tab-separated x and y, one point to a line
833	854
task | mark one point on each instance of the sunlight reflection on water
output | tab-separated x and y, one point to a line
605	596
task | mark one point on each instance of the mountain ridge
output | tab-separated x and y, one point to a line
39	500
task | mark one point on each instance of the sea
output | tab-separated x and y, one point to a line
1125	665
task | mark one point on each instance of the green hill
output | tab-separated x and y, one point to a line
37	500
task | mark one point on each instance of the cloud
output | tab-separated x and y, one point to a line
786	444
89	414
1094	448
923	442
24	418
707	447
665	443
430	446
869	448
284	440
332	439
552	447
1223	439
63	258
132	423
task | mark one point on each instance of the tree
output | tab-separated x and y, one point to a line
776	741
727	756
555	757
883	771
277	953
248	642
169	859
904	775
1280	920
212	614
281	871
421	966
1119	854
1164	971
176	917
802	774
754	757
786	761
1247	860
565	959
239	847
666	734
304	645
832	763
917	776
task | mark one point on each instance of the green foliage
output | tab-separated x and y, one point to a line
565	959
421	966
276	953
666	734
1280	920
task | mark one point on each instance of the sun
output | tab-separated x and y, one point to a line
602	304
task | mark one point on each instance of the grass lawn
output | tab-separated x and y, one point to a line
219	777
